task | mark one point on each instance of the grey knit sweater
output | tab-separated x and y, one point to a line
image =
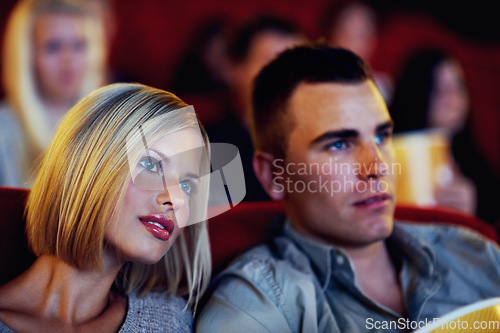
152	313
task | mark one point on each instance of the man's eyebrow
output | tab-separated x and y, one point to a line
339	134
349	133
384	126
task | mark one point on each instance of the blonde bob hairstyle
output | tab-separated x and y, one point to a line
83	179
19	78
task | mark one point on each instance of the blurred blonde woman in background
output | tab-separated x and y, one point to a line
53	55
121	180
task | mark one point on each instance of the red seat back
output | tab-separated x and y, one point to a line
15	256
249	224
231	233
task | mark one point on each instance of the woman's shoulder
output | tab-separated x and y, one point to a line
157	312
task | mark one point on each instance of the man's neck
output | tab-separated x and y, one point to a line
377	275
370	256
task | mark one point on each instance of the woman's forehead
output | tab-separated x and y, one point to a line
180	141
156	129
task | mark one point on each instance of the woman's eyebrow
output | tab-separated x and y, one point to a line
144	142
192	175
164	158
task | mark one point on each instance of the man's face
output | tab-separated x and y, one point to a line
338	176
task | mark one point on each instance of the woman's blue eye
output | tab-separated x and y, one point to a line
150	164
188	186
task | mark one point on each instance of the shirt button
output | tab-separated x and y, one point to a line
340	259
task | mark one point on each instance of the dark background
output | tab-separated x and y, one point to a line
151	36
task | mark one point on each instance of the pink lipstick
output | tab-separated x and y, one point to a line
158	225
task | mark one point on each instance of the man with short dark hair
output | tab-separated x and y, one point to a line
322	135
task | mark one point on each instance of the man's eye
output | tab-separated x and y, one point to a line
338	145
150	164
382	137
188	186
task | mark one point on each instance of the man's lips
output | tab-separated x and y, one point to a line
159	225
373	200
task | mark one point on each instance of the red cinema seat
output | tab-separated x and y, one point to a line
251	223
231	233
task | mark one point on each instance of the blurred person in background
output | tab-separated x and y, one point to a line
354	25
249	48
200	75
105	12
53	54
432	93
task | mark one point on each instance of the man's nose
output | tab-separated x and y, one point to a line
371	161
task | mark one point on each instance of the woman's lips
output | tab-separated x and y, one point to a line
159	225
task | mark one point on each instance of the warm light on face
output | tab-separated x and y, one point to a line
212	184
336	179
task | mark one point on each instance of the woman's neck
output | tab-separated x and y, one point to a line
59	291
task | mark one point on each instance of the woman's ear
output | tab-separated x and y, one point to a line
270	173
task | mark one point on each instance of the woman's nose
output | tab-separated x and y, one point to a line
172	195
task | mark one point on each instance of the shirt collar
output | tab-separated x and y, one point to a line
327	258
319	253
416	250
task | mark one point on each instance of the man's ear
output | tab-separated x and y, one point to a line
270	174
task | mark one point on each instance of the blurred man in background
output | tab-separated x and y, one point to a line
249	49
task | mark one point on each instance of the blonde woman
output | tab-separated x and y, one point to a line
121	180
53	55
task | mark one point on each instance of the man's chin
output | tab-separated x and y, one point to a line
381	227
